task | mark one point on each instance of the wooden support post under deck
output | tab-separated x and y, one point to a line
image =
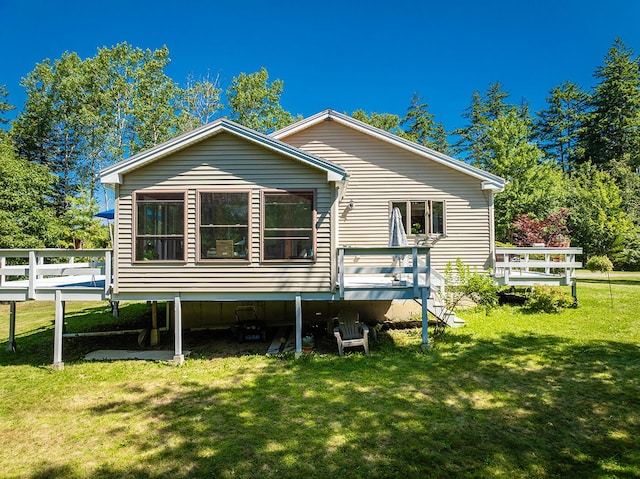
57	333
298	326
178	356
425	318
11	343
153	337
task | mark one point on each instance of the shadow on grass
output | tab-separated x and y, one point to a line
516	406
614	280
36	347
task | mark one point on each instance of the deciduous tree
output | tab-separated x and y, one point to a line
255	103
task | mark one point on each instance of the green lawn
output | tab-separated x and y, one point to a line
510	395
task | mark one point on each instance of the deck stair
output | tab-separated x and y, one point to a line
436	303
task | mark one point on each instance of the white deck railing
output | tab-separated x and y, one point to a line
377	270
33	266
533	265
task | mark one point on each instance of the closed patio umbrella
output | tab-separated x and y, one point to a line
397	235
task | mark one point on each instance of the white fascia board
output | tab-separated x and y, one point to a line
493	186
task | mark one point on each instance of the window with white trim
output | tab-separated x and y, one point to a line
422	218
288	226
160	226
223	225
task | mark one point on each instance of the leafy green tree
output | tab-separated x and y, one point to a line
385	121
82	115
599	222
51	130
80	224
560	127
255	103
26	218
534	187
613	127
419	125
201	101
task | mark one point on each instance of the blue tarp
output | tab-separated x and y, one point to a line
106	214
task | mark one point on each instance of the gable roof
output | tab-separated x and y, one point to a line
113	174
489	180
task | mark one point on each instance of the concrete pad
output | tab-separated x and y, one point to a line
120	354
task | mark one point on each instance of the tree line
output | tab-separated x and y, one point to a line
575	162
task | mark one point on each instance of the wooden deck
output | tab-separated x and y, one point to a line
36	274
377	278
530	266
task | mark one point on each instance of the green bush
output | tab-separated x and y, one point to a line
463	283
545	299
599	263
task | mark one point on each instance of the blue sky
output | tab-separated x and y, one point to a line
345	55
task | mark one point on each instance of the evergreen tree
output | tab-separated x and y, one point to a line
613	127
5	106
472	142
560	126
420	126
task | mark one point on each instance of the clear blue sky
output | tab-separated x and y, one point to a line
342	54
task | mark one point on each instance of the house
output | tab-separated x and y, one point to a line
296	222
225	215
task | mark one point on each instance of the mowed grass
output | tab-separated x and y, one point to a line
510	395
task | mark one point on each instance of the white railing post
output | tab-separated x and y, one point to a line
341	270
416	277
3	263
57	332
31	293
107	271
298	352
178	357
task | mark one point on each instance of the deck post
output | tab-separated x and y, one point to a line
11	343
298	325
341	271
153	336
425	319
107	272
178	356
3	263
414	267
57	333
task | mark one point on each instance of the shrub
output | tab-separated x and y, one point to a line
600	264
545	299
463	283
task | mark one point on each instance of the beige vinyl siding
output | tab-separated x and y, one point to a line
224	162
380	172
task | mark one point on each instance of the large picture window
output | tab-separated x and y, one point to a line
224	225
159	231
288	226
422	218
